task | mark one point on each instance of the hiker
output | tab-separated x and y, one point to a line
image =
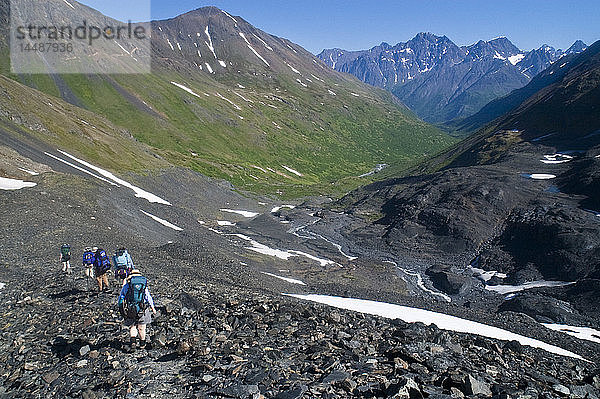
135	304
65	257
88	261
123	264
101	268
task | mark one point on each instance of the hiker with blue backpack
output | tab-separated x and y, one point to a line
123	264
136	306
88	260
101	268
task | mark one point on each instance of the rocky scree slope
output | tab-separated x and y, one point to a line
214	337
441	81
231	101
222	331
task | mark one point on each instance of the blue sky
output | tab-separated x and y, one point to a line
354	24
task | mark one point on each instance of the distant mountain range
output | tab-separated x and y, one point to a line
441	81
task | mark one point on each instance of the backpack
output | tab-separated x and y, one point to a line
88	258
102	262
65	252
134	299
122	259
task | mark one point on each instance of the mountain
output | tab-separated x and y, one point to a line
513	205
440	81
258	297
233	102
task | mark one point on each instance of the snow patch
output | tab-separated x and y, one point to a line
139	193
80	169
586	333
185	88
262	41
318	78
443	321
225	223
355	95
32	173
162	221
13	184
210	43
178	46
278	208
507	289
278	253
246	214
515	59
69	4
228	100
2	285
292	170
170	45
222	63
331	92
293	69
234	20
538	176
302	83
486	275
208	67
242	97
556	159
252	49
289	280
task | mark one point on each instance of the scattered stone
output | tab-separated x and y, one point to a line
473	386
50	377
84	350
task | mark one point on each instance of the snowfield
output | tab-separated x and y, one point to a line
162	221
139	193
586	333
13	184
538	176
289	280
443	321
278	253
507	289
185	88
246	214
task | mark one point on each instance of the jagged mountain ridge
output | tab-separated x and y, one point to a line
441	81
233	102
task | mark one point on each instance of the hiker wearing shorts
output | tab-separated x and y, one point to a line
136	306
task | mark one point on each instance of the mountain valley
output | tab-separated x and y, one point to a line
304	234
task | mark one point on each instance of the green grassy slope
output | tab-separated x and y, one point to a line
247	121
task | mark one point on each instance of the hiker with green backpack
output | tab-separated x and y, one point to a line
65	258
136	306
